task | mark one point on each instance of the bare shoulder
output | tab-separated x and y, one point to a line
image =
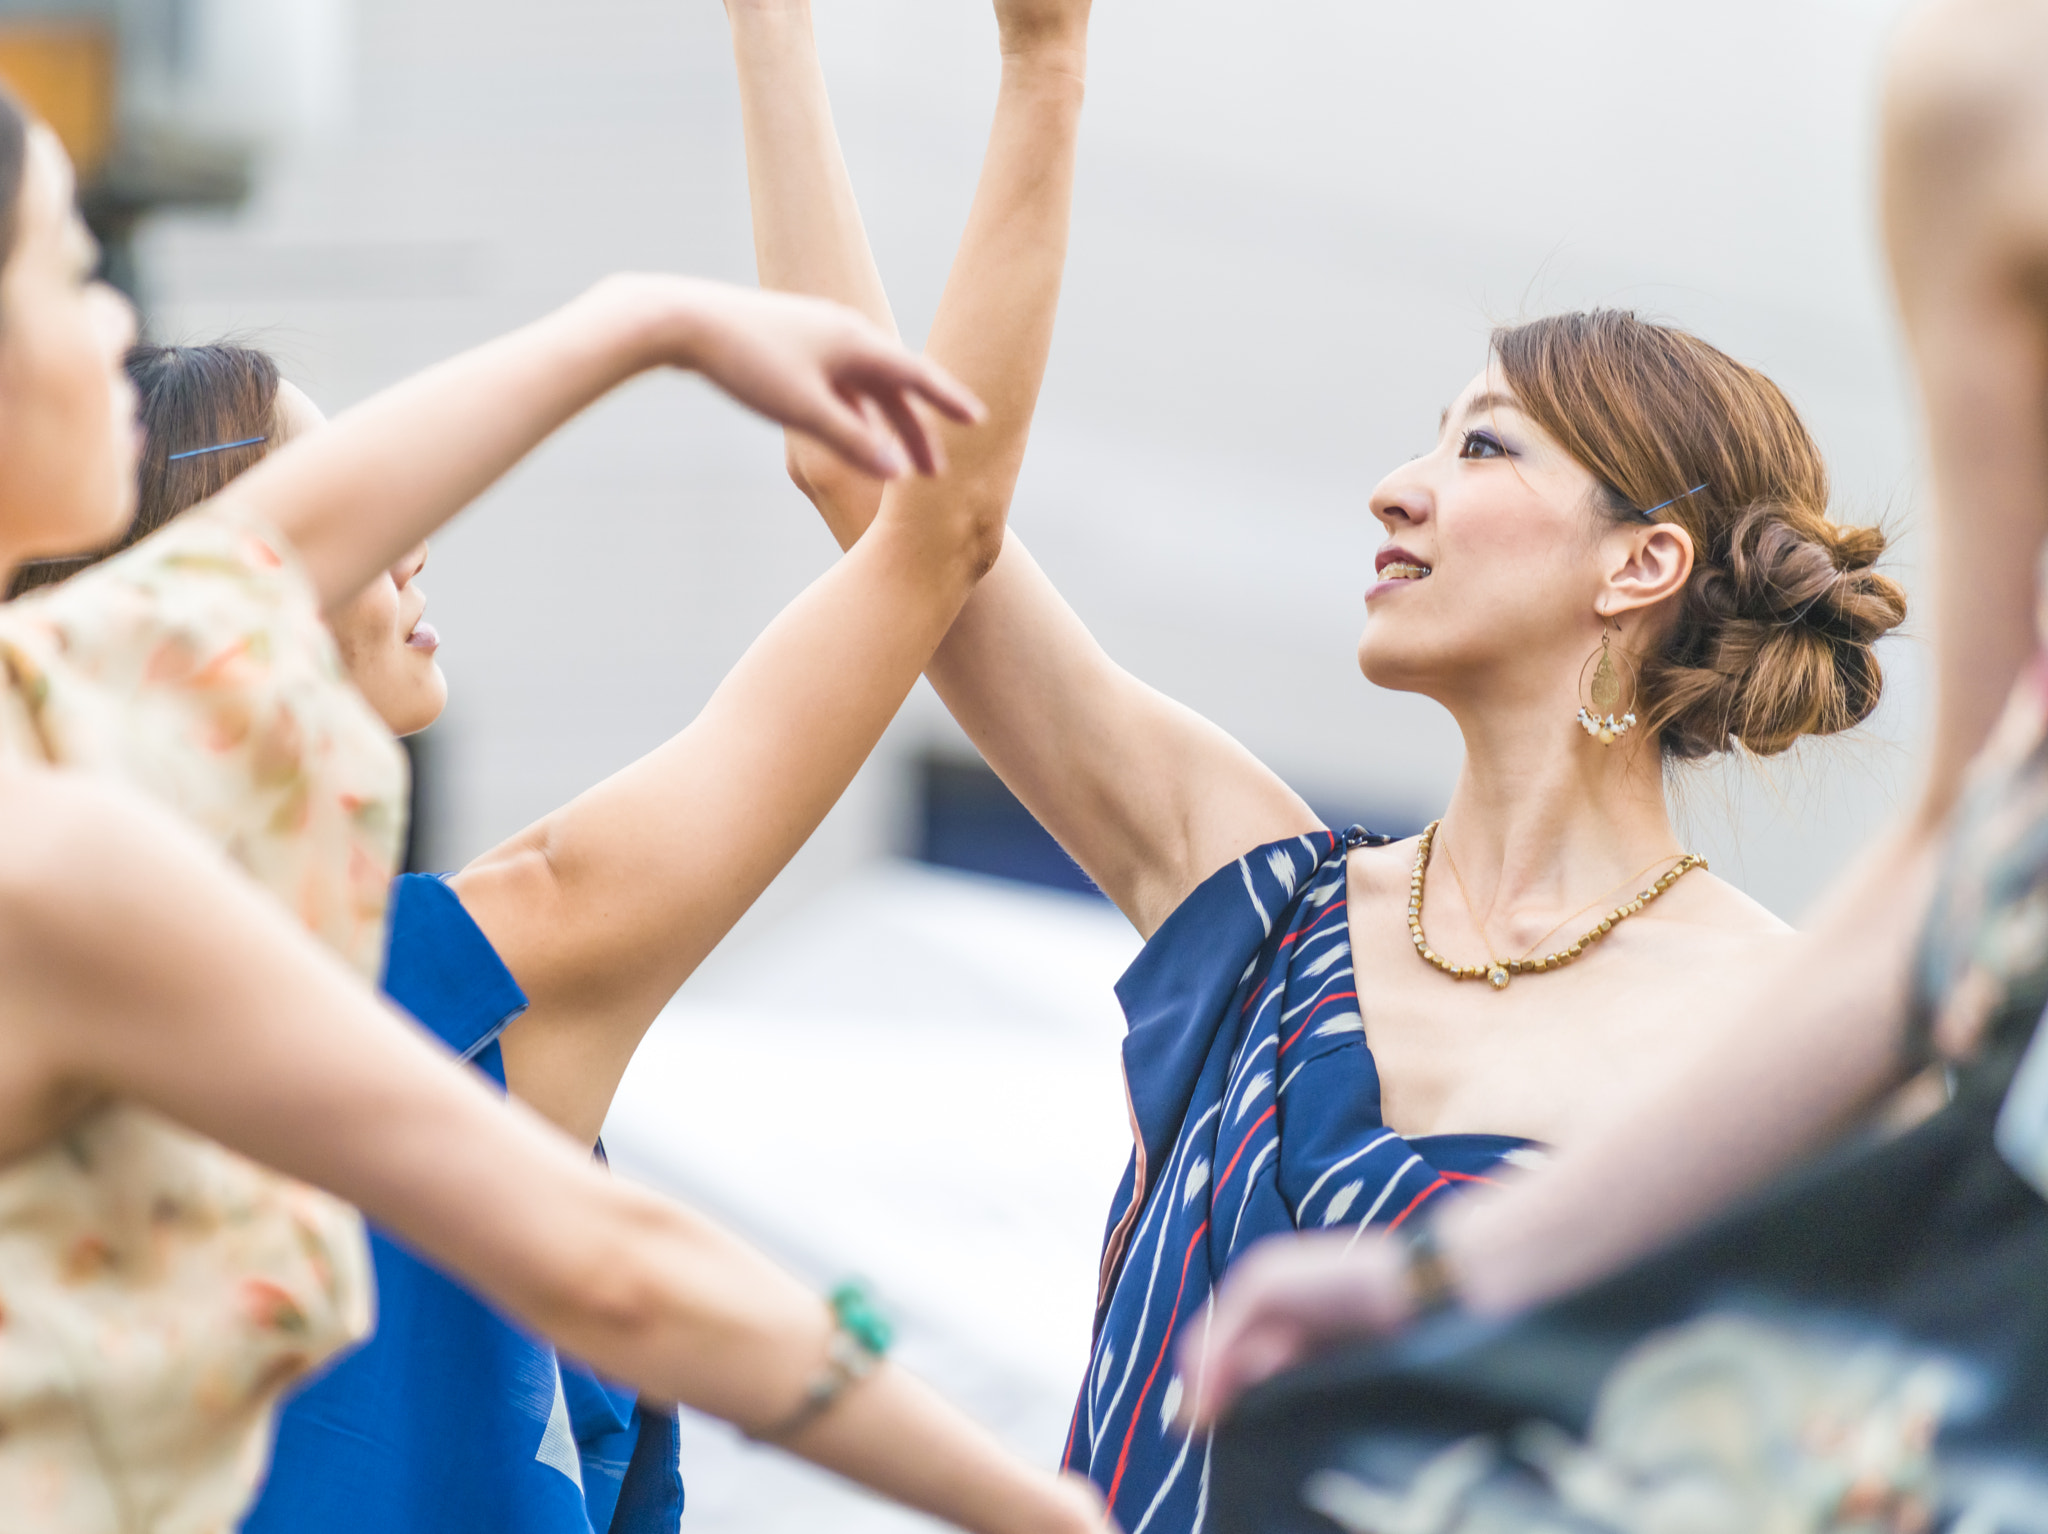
1375	871
1701	900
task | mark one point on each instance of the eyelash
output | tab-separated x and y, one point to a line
1486	437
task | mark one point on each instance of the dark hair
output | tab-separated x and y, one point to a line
189	397
1775	625
13	167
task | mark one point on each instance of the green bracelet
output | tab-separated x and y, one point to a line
861	1336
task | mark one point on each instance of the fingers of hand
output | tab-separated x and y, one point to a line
851	430
945	393
924	448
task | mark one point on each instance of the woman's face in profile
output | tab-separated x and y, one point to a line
69	441
1489	570
382	632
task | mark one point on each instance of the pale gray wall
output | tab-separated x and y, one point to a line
1295	224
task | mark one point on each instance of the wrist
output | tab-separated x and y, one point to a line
652	319
1055	54
1477	1260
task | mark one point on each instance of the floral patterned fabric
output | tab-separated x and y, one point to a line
158	1292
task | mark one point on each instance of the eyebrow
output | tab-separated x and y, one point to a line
1480	403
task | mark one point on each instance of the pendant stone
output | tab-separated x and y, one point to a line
1498	977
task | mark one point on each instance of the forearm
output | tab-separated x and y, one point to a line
808	234
895	1435
354	496
994	324
1816	1048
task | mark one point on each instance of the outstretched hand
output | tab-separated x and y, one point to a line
1285	1300
821	369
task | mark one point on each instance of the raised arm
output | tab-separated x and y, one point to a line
603	908
136	964
1146	796
354	497
1966	186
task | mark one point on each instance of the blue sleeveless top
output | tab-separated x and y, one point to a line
450	1419
1255	1107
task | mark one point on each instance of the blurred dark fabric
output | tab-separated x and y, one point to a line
1863	1347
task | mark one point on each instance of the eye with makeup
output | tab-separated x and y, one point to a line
1478	444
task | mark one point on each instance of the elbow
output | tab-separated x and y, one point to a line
836	490
610	1297
658	1297
987	525
975	522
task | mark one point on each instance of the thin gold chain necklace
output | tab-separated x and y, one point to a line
1498	972
1486	937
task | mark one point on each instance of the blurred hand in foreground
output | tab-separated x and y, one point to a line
1286	1300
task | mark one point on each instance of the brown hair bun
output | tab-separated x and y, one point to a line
1774	633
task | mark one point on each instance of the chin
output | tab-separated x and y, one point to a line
427	703
1385	663
91	529
422	709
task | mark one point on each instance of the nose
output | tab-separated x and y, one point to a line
1404	499
409	565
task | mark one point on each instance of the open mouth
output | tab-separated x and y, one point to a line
1400	570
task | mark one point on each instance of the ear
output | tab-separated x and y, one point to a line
1651	563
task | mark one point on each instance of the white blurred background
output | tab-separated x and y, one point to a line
1295	226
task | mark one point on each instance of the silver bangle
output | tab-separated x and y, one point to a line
860	1341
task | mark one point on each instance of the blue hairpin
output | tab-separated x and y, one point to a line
1695	490
218	447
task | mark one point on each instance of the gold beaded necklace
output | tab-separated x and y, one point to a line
1498	972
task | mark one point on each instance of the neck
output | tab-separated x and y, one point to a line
1544	818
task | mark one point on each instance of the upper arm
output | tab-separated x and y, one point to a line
567	1052
1145	794
139	965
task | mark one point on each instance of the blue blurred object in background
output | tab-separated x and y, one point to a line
967	819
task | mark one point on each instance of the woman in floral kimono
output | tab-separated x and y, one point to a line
544	961
1618	555
158	1290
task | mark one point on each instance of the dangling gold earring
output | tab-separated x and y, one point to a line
1604	692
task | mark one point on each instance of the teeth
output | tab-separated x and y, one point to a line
1402	572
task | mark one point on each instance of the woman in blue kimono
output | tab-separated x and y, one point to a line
544	961
1901	966
1617	555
